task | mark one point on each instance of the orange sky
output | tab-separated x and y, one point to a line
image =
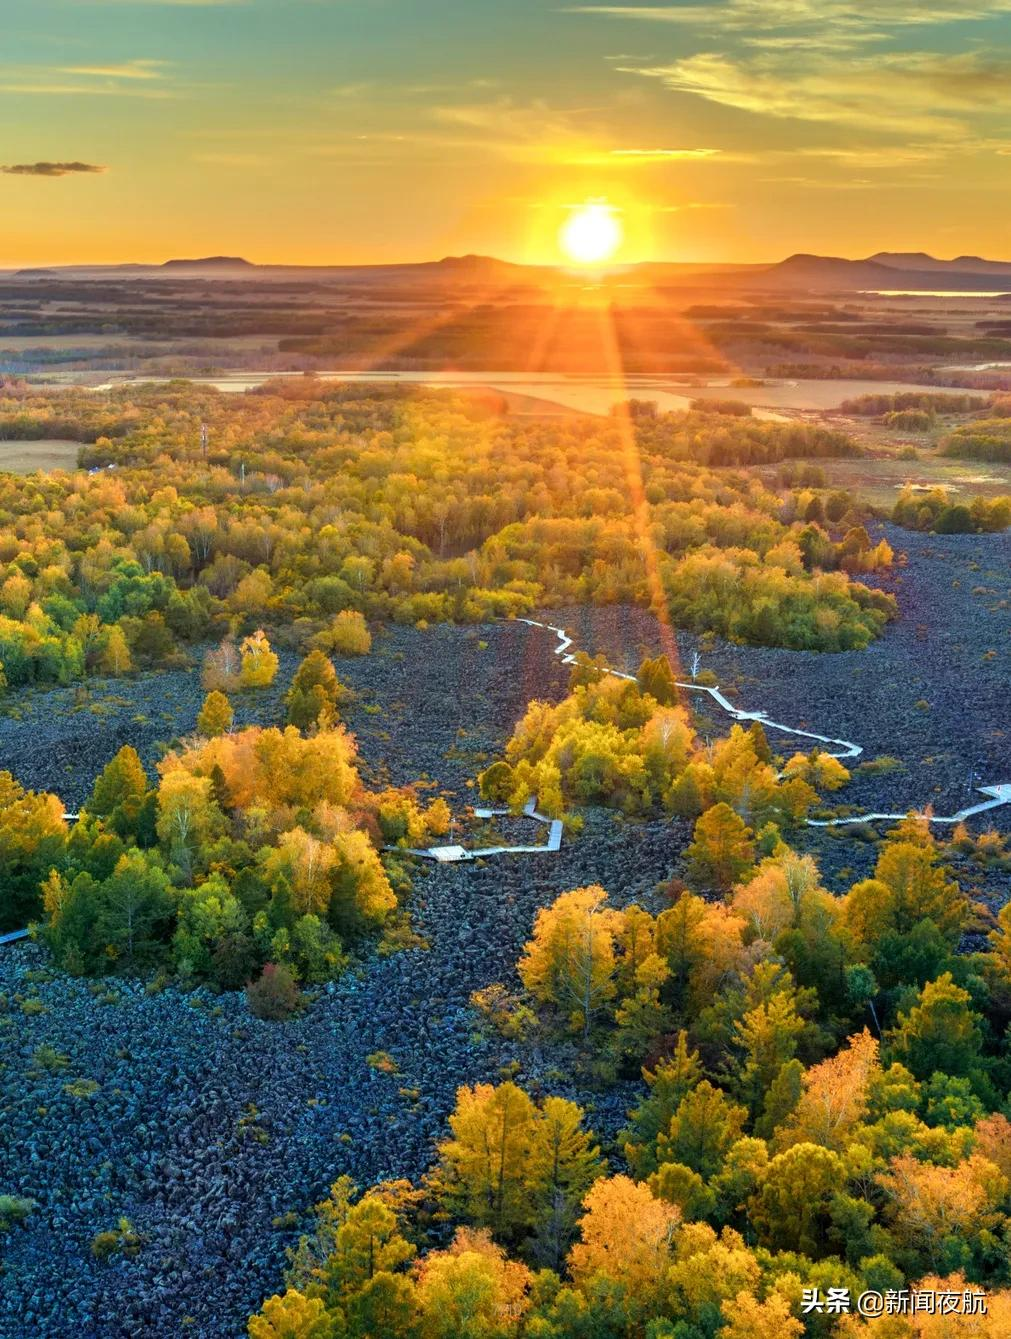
329	131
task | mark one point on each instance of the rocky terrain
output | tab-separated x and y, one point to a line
932	693
206	1125
169	1137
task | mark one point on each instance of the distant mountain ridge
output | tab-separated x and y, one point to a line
210	263
888	270
885	270
921	260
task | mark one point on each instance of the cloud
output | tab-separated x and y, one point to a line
762	15
635	157
522	131
920	92
131	69
538	133
49	169
132	78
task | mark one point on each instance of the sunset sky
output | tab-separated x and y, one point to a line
330	131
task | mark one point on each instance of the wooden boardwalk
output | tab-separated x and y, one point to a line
451	855
999	794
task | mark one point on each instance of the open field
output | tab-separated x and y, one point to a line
475	315
45	454
878	480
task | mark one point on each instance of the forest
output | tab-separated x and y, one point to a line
826	1108
311	500
781	1089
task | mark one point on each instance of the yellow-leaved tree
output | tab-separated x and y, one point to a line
215	715
472	1290
570	962
259	662
626	1236
748	1318
834	1097
511	1165
294	1316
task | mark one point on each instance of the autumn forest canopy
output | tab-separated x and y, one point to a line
415	506
728	1087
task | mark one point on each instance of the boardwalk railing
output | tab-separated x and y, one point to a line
451	855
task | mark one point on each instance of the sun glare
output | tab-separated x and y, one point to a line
591	234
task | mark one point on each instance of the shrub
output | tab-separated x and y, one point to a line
48	1060
122	1239
382	1061
496	783
505	1012
274	995
81	1088
14	1209
880	766
909	420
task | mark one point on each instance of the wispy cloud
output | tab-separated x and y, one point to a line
925	93
517	130
539	133
131	69
132	78
625	157
49	169
763	15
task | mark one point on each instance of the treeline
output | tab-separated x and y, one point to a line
825	1108
314	500
705	437
493	335
938	511
927	402
29	415
985	436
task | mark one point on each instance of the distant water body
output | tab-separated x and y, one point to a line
590	393
934	293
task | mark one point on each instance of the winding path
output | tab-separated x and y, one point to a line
447	855
999	794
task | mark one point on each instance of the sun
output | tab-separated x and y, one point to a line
592	233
